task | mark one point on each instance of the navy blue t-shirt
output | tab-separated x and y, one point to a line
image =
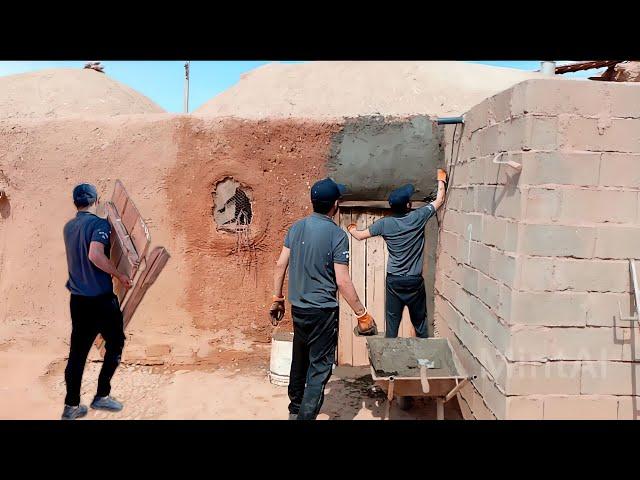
316	243
84	277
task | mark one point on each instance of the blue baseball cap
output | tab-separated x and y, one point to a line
402	195
84	194
327	190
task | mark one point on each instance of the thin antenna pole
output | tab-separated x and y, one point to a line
186	87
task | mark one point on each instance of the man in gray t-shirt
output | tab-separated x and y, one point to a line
316	252
403	231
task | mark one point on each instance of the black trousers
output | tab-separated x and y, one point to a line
315	337
90	316
406	291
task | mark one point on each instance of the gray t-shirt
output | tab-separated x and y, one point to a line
84	277
404	235
316	243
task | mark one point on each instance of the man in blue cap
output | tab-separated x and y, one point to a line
317	250
403	231
94	306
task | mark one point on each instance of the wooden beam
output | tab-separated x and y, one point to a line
375	204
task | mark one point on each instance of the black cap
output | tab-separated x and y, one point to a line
402	195
84	194
327	191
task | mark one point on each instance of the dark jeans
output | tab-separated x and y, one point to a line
90	316
407	291
315	337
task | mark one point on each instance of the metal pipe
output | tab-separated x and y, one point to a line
548	68
636	292
186	87
450	120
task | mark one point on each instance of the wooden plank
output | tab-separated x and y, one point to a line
376	204
140	237
156	261
345	331
130	216
158	258
119	197
375	274
358	277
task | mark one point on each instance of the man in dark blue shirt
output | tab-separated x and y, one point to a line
94	307
317	250
403	233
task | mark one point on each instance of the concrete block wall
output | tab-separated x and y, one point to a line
531	265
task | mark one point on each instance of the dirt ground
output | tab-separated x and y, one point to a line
33	388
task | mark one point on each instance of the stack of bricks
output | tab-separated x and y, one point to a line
532	263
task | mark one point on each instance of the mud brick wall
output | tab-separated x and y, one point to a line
531	265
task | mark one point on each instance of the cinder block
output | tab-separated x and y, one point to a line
488	139
603	309
507	202
477	118
543	204
609	378
488	291
469	200
557	240
584	205
625	99
549	309
504	267
513	134
482	257
614	241
494	231
504	304
158	350
448	243
580	407
476	172
541	133
524	408
568	168
494	399
453	221
601	134
628	408
501	174
592	275
487	321
447	313
543	378
620	170
587	343
499	106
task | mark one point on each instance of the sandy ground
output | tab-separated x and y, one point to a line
33	388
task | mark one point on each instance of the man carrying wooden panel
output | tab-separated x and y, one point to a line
403	232
94	306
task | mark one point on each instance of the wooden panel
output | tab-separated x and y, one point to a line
140	237
130	216
375	275
119	197
345	331
358	277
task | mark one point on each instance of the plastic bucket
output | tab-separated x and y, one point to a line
281	352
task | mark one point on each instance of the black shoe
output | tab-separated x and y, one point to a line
106	403
71	413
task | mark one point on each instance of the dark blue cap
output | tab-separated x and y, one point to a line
402	195
84	194
327	190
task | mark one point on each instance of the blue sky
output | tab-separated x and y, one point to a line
163	81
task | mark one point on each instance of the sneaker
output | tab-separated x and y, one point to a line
71	413
293	416
106	403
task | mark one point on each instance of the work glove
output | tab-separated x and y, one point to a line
276	312
351	227
442	175
366	325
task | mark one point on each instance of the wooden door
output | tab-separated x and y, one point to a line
367	266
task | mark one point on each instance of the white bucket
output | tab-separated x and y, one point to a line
281	353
